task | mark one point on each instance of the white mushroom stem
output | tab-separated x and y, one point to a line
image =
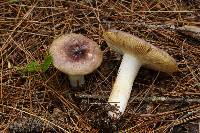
76	80
122	87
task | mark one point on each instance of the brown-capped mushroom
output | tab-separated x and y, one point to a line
137	52
75	55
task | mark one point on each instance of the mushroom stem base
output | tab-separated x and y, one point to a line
123	84
76	80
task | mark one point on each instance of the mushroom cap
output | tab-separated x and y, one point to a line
75	54
149	55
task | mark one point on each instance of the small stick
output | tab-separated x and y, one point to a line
138	99
88	96
144	24
192	31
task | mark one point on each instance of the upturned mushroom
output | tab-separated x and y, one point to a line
75	55
136	52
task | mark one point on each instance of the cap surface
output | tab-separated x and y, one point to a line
75	54
149	55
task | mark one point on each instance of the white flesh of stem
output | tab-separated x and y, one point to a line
123	84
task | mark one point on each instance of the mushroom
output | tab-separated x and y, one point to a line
136	52
75	55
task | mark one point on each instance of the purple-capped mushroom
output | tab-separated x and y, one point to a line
76	56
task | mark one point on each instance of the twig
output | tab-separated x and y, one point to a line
144	24
155	25
88	96
147	99
183	11
192	31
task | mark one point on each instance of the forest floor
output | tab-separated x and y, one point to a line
41	100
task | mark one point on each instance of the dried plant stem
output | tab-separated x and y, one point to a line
147	99
183	11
